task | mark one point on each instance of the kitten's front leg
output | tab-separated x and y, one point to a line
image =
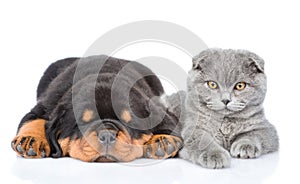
214	157
246	147
200	148
255	143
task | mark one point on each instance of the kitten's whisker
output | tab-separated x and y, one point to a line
237	105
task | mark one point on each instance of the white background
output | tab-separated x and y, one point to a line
33	34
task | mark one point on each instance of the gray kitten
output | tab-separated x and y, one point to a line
222	112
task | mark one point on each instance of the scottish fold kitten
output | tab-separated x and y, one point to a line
222	112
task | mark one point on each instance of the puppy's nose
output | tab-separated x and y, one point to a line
225	101
107	137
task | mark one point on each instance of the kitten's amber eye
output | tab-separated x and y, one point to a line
212	84
240	86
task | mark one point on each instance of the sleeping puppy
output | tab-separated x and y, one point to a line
98	109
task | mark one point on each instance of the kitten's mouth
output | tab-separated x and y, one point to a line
226	109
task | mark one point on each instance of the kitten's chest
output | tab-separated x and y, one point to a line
228	126
226	131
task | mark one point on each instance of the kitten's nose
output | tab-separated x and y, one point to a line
225	101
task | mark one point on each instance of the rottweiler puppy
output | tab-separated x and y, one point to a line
98	109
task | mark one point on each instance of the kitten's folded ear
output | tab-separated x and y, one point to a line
256	63
199	59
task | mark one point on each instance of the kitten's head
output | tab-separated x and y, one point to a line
227	81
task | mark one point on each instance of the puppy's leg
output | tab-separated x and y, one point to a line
162	146
31	141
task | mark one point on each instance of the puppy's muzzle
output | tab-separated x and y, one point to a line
107	135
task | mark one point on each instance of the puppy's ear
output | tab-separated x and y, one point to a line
53	129
199	59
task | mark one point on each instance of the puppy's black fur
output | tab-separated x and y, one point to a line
78	96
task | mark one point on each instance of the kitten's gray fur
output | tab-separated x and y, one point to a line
213	131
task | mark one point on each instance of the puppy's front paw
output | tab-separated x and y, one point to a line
30	147
245	149
31	140
162	146
214	159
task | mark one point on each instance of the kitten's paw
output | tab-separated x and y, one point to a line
215	159
245	149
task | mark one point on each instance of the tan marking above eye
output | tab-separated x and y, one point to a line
240	86
88	115
126	116
212	84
